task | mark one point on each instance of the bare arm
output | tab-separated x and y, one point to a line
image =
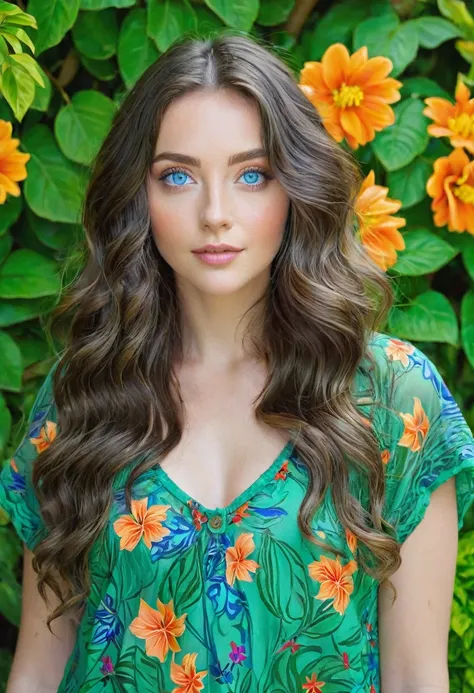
40	657
414	631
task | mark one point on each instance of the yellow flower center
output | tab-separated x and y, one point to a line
464	191
347	96
462	125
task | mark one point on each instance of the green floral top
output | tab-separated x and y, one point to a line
186	598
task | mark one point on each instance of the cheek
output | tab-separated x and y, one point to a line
269	223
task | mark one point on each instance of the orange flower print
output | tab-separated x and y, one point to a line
240	513
199	518
452	188
143	522
238	565
351	540
283	471
335	579
159	628
455	121
397	350
12	162
378	229
416	427
186	676
351	93
46	436
312	685
385	456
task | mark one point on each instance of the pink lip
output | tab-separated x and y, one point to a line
218	248
217	258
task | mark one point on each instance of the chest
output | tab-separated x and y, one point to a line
223	448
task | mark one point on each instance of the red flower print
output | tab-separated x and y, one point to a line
312	685
185	675
416	427
142	522
345	659
283	471
290	643
240	513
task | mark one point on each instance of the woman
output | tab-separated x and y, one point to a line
229	461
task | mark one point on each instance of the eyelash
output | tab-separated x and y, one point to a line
255	186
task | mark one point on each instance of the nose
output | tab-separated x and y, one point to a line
216	206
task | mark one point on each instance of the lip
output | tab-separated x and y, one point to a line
217	248
218	258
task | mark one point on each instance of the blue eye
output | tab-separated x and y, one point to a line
178	176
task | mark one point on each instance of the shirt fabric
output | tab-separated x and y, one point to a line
186	598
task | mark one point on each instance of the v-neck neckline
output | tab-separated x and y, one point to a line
242	498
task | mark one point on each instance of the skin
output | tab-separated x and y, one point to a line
214	203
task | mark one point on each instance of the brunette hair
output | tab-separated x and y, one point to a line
115	391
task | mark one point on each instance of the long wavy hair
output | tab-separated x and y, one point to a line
118	401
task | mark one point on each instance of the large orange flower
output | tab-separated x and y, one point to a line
377	228
397	350
312	684
142	522
186	676
12	162
158	628
336	580
238	565
452	188
455	121
351	93
46	436
416	427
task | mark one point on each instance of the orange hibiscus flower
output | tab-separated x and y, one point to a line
186	676
158	628
416	427
385	456
142	522
351	93
397	350
335	579
238	565
46	436
452	188
312	685
351	540
12	162
378	230
455	121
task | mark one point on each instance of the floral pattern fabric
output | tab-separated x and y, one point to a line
186	598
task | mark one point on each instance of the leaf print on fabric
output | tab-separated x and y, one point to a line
335	579
46	436
416	427
186	676
312	684
238	565
159	628
143	522
108	627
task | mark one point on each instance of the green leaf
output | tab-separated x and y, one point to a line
136	51
14	311
8	9
274	12
9	213
81	126
429	318
238	15
457	12
424	252
55	18
467	325
103	4
27	274
12	366
18	88
54	187
42	94
29	65
208	23
51	234
19	33
168	20
389	37
104	70
468	258
433	31
336	25
6	243
5	425
423	87
95	34
16	16
408	184
400	143
13	41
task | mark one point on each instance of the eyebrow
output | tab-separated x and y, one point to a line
192	161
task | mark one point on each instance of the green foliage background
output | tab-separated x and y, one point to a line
89	52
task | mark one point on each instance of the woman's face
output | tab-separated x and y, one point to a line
211	200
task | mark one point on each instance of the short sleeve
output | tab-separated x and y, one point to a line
428	441
17	496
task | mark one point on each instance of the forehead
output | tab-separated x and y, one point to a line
204	122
